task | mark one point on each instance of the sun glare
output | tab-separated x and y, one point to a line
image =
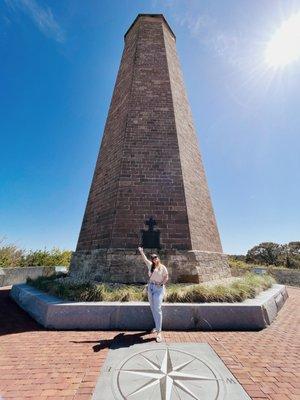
284	46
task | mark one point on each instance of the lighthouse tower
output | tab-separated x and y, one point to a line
149	186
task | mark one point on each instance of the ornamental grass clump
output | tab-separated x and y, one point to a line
126	293
81	288
69	288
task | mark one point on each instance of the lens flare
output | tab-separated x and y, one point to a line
284	47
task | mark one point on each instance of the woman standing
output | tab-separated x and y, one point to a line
158	276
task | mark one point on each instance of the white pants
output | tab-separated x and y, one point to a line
155	296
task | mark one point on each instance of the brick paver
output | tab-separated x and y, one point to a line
41	364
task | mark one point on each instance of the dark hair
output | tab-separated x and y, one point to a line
153	265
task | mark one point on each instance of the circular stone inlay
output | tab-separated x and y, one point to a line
166	374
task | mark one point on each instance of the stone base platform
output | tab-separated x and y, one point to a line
54	313
127	266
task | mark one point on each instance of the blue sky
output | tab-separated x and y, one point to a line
59	61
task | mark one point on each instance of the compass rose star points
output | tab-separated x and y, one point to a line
167	376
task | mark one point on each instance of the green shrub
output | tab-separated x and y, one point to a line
233	263
12	256
46	257
279	255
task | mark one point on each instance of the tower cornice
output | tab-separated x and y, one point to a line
158	16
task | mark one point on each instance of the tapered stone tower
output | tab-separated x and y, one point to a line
149	171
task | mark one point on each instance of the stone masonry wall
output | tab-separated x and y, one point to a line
151	182
126	265
98	221
203	227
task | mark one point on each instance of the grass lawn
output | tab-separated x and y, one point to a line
81	289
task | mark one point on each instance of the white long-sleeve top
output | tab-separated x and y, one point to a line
158	274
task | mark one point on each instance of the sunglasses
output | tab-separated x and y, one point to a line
153	258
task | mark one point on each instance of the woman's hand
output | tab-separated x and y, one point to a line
147	262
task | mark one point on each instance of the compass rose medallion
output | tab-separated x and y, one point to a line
166	374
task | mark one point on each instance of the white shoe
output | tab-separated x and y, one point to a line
153	330
158	337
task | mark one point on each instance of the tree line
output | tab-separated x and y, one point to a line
270	253
13	256
266	253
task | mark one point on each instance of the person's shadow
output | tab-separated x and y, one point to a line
120	340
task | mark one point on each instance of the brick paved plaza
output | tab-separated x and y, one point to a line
40	364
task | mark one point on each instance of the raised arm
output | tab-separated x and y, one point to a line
147	262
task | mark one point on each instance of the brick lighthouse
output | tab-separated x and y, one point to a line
149	186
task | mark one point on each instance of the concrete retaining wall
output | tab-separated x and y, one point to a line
53	313
284	276
13	276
